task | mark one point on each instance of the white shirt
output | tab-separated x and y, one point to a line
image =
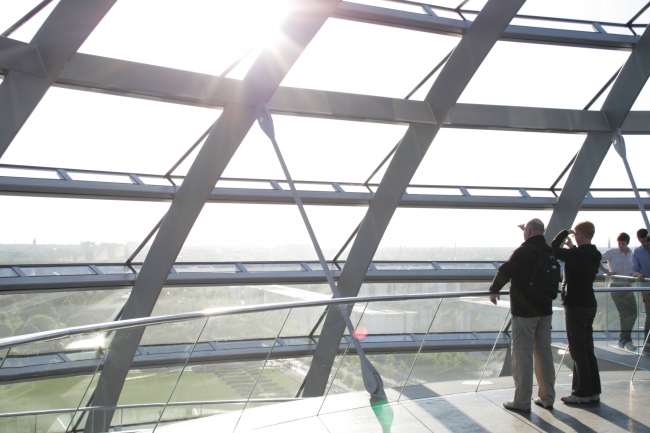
619	262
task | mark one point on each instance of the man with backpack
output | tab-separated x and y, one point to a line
530	271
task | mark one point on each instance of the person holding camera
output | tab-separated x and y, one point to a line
581	265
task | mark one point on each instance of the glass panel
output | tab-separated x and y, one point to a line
274	267
332	61
453	365
226	29
27	31
612	174
562	25
132	131
421	93
446	14
466	265
115	270
244	184
62	230
538	75
540	194
45	393
27	314
99	177
150	180
494	192
459	156
402	266
34	174
315	149
174	300
7	273
433	191
13	10
616	30
610	223
308	187
355	188
57	270
612	194
427	234
318	267
604	10
392	5
251	232
216	269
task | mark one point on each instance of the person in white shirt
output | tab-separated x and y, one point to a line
619	261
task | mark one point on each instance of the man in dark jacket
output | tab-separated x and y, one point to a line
581	265
531	323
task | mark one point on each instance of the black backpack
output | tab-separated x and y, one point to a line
545	279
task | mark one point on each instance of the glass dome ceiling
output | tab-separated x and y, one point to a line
130	152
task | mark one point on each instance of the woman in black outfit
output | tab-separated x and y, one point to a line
580	268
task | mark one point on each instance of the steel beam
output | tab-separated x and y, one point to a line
451	27
58	39
262	80
19	56
616	107
120	191
454	77
119	77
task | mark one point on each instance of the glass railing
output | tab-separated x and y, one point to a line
235	366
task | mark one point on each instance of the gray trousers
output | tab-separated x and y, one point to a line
531	339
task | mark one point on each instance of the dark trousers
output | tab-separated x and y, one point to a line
626	305
579	328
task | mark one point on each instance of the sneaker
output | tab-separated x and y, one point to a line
511	406
595	397
629	346
575	399
539	402
621	344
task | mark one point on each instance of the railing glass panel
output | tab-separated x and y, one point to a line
248	369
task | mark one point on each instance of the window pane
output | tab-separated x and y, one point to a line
30	313
34	174
448	234
468	157
316	150
111	133
408	7
194	35
610	223
13	10
612	173
538	75
27	31
603	10
55	230
353	57
249	232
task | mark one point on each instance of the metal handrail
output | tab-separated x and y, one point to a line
213	312
142	405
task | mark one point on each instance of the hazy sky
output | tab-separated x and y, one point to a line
76	129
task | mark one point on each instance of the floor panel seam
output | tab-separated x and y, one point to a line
416	417
526	421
